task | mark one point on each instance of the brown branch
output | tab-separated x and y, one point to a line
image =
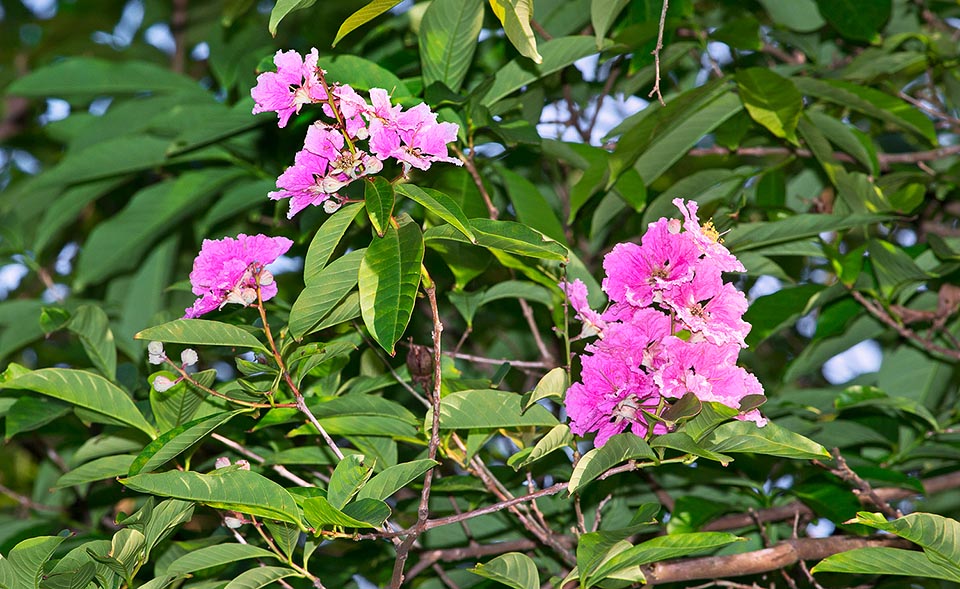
884	317
178	27
656	55
784	554
863	490
423	511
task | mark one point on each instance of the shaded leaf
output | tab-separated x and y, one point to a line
512	569
174	442
619	448
771	439
448	39
489	408
394	478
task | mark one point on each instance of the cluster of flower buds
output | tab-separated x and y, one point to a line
156	356
332	157
673	327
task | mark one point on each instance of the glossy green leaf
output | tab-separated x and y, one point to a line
119	243
325	242
379	198
515	16
91	324
283	8
361	17
394	478
871	102
23	566
508	236
746	236
86	390
371	513
328	288
798	15
683	442
347	478
772	100
86	76
551	385
217	555
178	405
489	408
513	569
448	39
558	54
388	281
557	438
229	488
258	577
99	469
441	205
887	561
362	74
602	15
661	548
771	439
856	19
938	535
618	449
201	332
174	442
530	206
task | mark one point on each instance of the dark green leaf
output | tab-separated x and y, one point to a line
856	19
201	332
513	569
489	408
378	198
448	38
174	442
326	240
619	448
772	100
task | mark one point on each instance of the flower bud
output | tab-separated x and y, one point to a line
189	357
221	462
162	384
155	353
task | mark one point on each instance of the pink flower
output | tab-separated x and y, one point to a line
424	139
707	238
576	291
302	182
229	270
637	274
294	84
351	106
708	306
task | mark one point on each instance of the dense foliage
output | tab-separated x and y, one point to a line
373	385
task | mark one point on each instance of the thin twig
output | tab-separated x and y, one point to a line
545	356
656	55
863	489
278	468
471	167
880	313
178	27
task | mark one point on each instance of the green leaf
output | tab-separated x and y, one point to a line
859	396
938	535
347	478
856	19
683	442
174	442
515	16
771	100
848	138
178	405
448	39
551	386
86	390
122	241
894	268
619	448
870	102
531	208
284	7
379	198
771	313
328	288
771	439
361	17
660	548
326	240
602	15
319	513
886	561
798	15
258	577
388	281
746	236
469	303
213	556
556	438
513	569
440	205
362	74
86	76
559	53
30	413
232	489
23	566
489	408
394	478
201	332
507	236
106	467
91	324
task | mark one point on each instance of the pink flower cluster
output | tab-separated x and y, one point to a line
673	327
331	158
229	270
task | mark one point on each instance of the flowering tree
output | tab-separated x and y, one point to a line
471	310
